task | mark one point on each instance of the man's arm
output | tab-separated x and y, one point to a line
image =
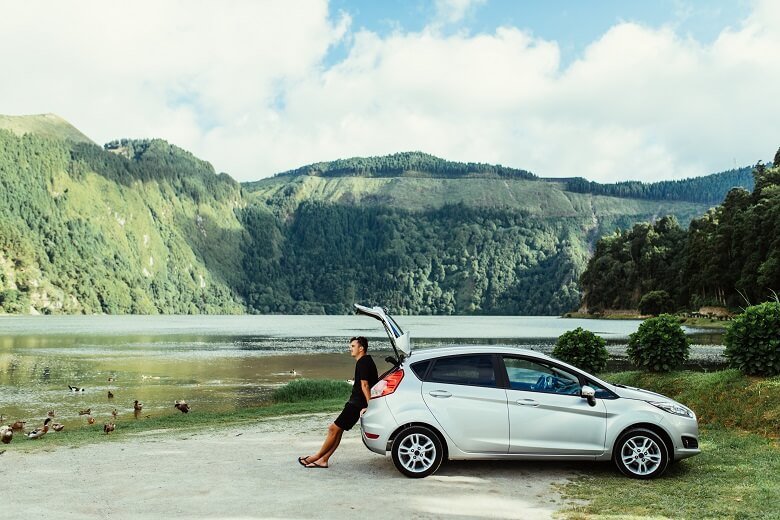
366	389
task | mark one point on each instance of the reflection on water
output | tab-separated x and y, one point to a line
223	363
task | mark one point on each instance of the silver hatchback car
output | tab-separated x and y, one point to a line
485	402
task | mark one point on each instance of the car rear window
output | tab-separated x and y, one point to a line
475	370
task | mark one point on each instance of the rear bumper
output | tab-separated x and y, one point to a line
376	426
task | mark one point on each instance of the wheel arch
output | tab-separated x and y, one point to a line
663	434
434	429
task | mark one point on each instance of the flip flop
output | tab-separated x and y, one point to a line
315	465
303	461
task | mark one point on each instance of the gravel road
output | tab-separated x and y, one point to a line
252	472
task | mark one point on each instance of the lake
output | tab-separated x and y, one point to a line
222	363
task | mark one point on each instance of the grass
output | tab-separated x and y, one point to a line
307	390
303	396
737	475
724	398
705	323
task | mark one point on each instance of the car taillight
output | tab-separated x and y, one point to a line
387	385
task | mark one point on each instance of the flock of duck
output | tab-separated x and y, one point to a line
7	431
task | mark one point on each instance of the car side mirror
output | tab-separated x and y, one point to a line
588	393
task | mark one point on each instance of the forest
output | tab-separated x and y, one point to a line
709	190
407	164
729	256
142	226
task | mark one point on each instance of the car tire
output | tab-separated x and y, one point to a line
417	452
641	453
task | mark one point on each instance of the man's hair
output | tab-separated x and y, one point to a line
363	342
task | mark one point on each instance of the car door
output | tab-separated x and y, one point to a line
547	414
461	393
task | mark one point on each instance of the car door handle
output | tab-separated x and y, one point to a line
439	393
527	402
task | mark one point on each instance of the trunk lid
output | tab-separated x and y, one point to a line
402	345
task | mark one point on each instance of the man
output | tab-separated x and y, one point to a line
365	377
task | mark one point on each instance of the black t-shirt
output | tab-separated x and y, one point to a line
365	369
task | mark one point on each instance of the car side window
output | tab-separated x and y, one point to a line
601	392
420	368
474	370
532	376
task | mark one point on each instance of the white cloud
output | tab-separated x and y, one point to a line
245	86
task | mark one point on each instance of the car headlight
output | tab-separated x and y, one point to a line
673	408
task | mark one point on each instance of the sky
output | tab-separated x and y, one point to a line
607	90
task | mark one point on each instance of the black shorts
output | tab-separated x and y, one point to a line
348	417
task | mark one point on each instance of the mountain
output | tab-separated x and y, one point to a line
43	125
142	226
459	242
84	230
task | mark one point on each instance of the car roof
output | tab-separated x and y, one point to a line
429	353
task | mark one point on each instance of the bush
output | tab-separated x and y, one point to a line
660	345
312	390
582	349
655	303
753	340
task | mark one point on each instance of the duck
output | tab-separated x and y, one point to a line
18	425
137	406
182	406
85	412
108	427
37	433
6	434
75	388
114	413
293	372
90	420
51	413
57	427
110	394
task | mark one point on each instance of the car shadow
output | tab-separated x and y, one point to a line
511	468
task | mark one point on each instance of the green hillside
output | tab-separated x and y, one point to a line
75	240
537	198
424	244
141	226
43	125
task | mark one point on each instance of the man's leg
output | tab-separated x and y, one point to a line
332	441
323	461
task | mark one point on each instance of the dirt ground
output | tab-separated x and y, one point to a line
252	472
